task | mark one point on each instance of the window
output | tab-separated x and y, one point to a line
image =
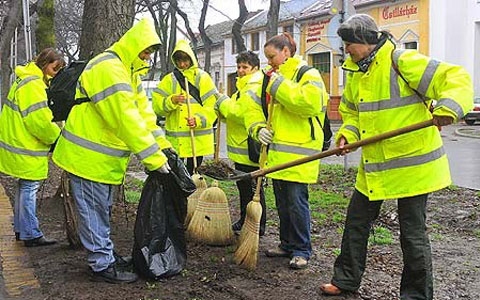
288	29
234	46
411	45
217	78
255	41
321	61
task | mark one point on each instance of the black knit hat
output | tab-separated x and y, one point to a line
358	36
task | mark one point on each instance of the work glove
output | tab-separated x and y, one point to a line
164	169
265	136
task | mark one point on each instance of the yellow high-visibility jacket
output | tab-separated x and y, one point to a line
26	128
298	114
100	135
234	110
379	100
176	129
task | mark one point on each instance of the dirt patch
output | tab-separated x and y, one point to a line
453	219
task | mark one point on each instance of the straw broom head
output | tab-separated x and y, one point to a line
211	223
192	202
246	254
199	181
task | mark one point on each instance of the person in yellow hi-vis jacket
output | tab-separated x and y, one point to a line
233	110
26	135
169	100
296	131
407	167
100	135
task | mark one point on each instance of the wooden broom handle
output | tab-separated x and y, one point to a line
360	143
216	155
192	133
263	153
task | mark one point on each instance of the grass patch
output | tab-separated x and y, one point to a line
380	236
132	196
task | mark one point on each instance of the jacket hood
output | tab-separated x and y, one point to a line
29	69
183	46
138	38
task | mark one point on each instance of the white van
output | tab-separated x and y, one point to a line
149	86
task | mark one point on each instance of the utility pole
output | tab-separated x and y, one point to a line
27	29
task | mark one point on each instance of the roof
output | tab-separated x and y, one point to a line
216	31
288	11
322	7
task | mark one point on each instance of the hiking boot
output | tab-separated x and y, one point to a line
277	252
40	241
298	262
330	289
112	275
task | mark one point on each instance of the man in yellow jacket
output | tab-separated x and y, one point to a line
26	135
169	100
408	167
99	136
234	109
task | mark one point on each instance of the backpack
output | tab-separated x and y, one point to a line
61	91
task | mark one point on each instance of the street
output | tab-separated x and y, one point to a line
462	151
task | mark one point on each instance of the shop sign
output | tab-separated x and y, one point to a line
399	11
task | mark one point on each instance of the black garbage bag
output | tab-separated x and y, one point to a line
159	248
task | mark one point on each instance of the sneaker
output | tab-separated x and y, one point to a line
237	227
112	275
277	252
40	241
298	262
122	262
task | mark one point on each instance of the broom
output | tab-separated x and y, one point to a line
198	179
211	222
246	254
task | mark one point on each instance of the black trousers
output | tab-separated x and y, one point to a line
417	278
246	189
189	163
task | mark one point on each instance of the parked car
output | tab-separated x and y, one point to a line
474	114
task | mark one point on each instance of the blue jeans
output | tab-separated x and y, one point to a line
94	201
291	199
25	220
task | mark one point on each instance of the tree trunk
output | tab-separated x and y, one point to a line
45	32
272	24
7	32
103	23
206	40
237	27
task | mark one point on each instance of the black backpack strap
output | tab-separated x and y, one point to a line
192	90
303	69
397	70
263	96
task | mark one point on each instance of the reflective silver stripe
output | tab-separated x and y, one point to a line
174	83
451	104
389	103
147	152
254	96
34	107
158	132
276	85
318	84
187	133
292	149
22	151
255	124
119	87
209	94
427	76
161	92
12	105
348	104
105	57
396	54
197	78
80	87
405	161
139	88
203	120
25	81
353	129
94	146
394	86
220	101
236	150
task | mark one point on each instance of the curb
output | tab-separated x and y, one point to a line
467	132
